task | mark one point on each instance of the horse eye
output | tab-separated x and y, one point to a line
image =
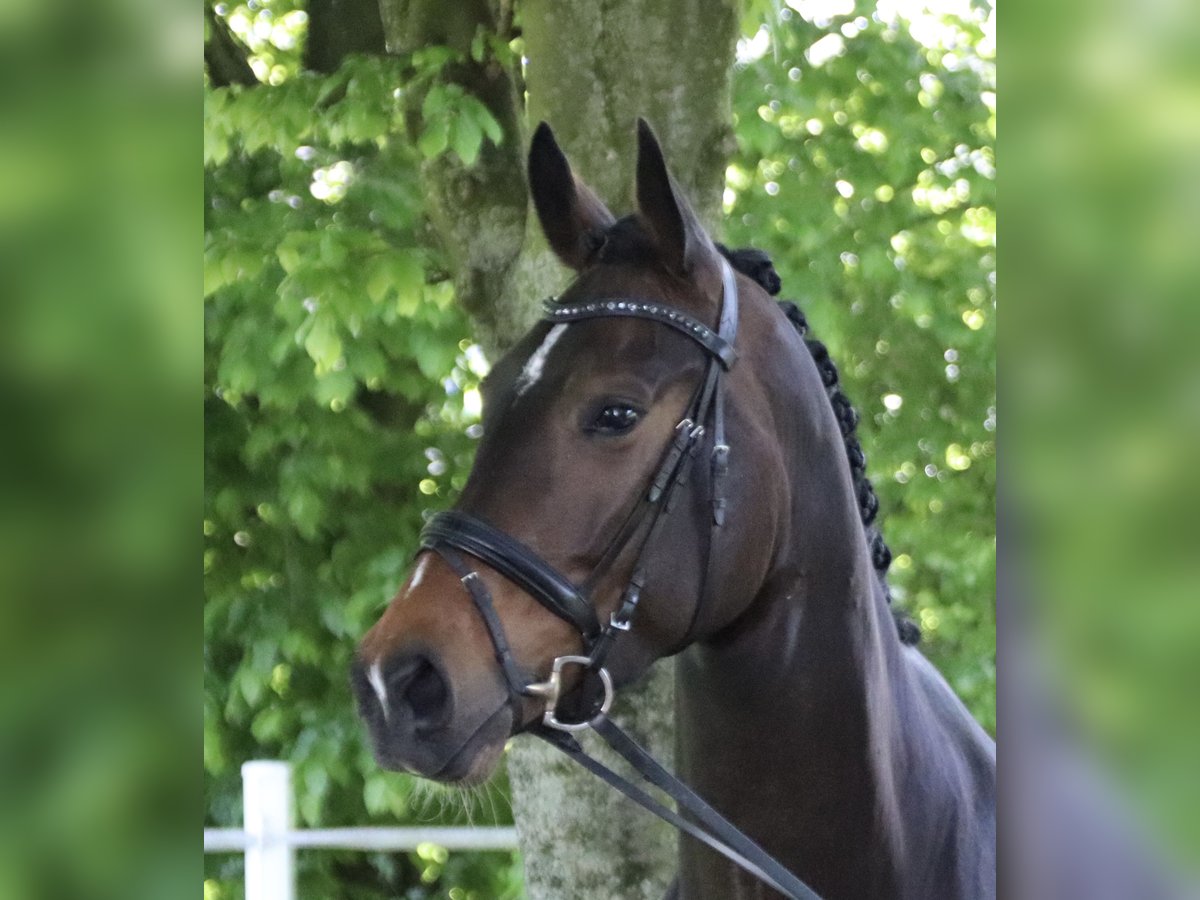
615	419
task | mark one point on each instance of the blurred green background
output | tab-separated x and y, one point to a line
100	435
341	377
1101	388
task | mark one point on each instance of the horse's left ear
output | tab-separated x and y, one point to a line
680	237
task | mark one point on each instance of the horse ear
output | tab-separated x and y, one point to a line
573	218
680	237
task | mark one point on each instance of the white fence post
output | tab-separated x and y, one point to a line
270	858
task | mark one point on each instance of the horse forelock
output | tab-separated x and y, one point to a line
627	242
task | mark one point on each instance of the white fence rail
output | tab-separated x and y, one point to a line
269	841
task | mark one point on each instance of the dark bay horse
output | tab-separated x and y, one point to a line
803	713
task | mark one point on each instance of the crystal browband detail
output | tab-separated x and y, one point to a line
682	322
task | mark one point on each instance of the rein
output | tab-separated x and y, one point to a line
448	533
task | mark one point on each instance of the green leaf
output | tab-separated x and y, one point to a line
376	795
435	138
334	389
436	102
298	646
430	60
216	147
490	126
310	807
334	82
380	279
433	359
216	760
408	277
333	251
291	250
468	137
323	344
366	362
214	275
267	726
251	684
305	509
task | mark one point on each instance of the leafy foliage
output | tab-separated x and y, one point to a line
866	168
340	376
336	367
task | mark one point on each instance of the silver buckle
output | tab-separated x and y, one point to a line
618	623
551	689
693	429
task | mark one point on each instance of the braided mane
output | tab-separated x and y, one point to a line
756	264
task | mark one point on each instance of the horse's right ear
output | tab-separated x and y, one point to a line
573	218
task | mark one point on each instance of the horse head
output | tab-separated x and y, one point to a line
583	418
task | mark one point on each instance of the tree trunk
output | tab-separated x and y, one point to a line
593	68
224	58
337	28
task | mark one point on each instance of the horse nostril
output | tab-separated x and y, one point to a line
416	683
426	694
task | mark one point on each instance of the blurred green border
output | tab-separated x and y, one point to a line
100	350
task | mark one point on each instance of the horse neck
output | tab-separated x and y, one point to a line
818	637
806	684
801	693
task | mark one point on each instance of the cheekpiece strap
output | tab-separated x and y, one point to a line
482	598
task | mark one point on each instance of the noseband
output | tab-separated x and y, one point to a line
450	532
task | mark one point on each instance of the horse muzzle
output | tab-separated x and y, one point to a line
409	708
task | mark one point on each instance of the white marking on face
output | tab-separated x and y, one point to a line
376	678
536	363
419	574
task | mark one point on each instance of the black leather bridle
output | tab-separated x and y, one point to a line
454	533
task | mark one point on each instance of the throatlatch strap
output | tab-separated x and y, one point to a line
709	827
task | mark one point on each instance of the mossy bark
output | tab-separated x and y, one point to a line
337	28
593	68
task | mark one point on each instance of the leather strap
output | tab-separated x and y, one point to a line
720	348
720	453
706	824
514	561
515	679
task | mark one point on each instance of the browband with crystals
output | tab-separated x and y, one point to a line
720	348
